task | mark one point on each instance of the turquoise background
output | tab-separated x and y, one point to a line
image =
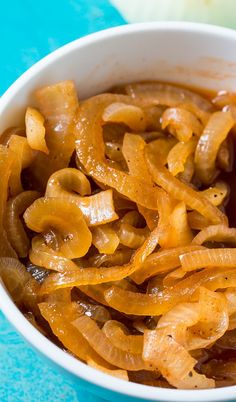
28	31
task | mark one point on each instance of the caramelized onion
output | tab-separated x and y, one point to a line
64	216
35	130
215	132
16	206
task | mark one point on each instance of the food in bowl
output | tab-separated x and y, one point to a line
116	218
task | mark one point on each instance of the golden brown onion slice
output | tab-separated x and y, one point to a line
181	191
161	148
178	155
65	217
59	105
166	94
215	132
218	233
105	239
6	165
132	237
132	116
35	130
133	151
94	276
135	303
121	338
44	256
23	157
15	277
182	123
105	348
222	257
187	326
217	194
59	316
16	206
91	153
72	185
161	261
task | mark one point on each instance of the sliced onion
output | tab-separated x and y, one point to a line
215	132
97	208
16	206
218	233
178	155
161	261
183	124
23	157
121	338
105	239
182	192
94	276
103	346
132	116
59	105
64	216
223	257
35	130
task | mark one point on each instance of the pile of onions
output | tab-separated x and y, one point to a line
114	233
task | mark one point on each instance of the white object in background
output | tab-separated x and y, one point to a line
219	12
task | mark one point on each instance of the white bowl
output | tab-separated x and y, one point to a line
193	54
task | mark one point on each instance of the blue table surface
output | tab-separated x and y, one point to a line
28	31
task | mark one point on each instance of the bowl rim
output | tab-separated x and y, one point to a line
17	319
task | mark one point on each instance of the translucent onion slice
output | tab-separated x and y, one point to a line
215	132
15	278
16	206
119	257
59	316
23	157
6	135
178	155
218	233
224	98
90	151
105	239
161	148
161	261
183	124
180	232
188	172
122	374
133	151
132	237
225	155
94	276
96	312
121	338
132	116
150	216
217	194
44	256
73	185
173	360
6	165
59	105
66	218
181	191
166	94
197	221
35	130
113	151
223	257
141	304
105	348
